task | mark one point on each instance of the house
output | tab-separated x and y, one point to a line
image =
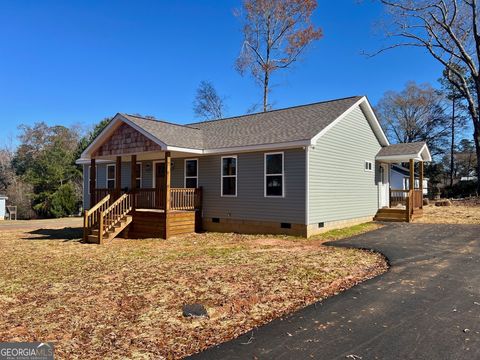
400	179
3	206
299	170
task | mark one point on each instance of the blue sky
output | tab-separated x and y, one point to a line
76	62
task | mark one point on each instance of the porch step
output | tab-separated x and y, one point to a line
394	215
113	232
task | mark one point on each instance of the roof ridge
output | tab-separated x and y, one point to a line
162	121
274	110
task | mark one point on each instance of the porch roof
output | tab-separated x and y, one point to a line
404	152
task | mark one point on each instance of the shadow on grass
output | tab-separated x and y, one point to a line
65	234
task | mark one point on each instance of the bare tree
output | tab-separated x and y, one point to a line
415	114
275	32
208	104
449	32
458	116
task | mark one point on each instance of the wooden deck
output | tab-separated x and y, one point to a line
405	206
127	217
148	223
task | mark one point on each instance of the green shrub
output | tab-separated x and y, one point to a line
64	201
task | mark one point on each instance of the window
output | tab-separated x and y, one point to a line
274	177
368	166
111	176
139	176
229	176
191	173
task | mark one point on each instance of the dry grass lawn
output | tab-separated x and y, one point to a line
459	213
124	299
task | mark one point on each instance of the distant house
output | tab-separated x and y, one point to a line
298	171
400	179
3	206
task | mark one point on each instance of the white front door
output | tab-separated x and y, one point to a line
383	187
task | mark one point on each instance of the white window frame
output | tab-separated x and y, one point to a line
109	179
265	174
370	166
230	176
185	177
139	176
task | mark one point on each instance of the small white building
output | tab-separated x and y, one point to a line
3	206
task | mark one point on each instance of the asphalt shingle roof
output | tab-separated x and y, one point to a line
402	149
276	126
169	133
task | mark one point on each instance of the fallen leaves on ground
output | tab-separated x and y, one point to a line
458	213
124	299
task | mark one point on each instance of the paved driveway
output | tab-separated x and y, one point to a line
427	306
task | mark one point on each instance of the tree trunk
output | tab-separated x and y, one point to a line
265	90
452	149
476	135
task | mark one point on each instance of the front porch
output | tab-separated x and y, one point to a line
161	211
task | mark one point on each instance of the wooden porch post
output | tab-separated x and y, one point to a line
93	178
167	190
421	182
133	179
412	175
118	177
411	196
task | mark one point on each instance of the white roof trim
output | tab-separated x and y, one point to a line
272	146
83	161
110	128
370	115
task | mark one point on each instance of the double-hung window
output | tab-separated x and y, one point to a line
138	180
111	176
229	175
274	175
191	173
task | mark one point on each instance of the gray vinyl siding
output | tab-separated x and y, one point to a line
147	178
339	186
250	203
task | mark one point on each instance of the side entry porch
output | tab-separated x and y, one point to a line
402	205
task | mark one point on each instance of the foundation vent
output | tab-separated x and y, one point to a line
285	225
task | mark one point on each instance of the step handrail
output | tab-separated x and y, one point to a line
114	213
91	217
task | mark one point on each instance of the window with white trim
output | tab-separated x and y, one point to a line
191	173
368	165
274	174
111	176
229	175
138	172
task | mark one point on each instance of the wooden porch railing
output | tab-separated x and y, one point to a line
149	198
398	197
182	198
113	214
91	218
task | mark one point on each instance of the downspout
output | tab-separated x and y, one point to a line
307	187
